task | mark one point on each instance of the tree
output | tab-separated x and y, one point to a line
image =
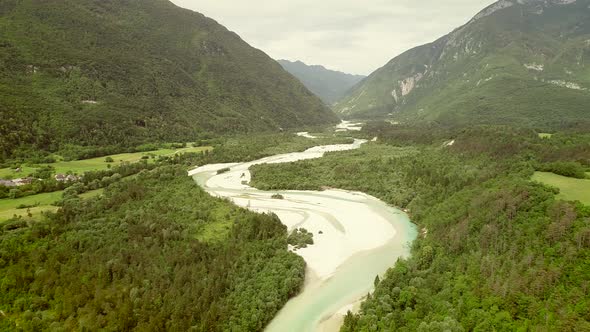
376	281
14	193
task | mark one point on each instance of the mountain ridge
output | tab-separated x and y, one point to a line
330	85
125	72
539	48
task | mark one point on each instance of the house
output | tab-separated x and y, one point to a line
22	181
72	178
66	178
7	183
60	177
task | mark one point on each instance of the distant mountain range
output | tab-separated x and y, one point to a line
327	84
523	62
90	72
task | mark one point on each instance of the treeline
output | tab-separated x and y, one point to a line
152	253
496	251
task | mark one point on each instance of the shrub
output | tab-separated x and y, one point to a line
223	170
300	238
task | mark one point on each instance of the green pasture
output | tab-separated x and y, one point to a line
571	189
40	202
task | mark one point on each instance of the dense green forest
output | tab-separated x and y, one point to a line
496	251
141	257
124	73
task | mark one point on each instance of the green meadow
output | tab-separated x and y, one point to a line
545	135
570	189
38	204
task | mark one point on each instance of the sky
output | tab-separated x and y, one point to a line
352	36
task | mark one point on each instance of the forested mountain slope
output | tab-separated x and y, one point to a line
327	84
517	61
95	72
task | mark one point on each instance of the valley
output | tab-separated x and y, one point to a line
160	171
356	237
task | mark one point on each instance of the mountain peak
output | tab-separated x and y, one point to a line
502	4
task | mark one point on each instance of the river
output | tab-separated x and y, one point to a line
356	237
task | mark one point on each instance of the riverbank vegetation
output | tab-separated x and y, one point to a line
497	250
300	238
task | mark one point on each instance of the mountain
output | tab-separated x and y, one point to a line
92	72
523	62
327	84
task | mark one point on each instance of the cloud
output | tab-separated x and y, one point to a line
348	35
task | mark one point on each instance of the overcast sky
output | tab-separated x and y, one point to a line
353	36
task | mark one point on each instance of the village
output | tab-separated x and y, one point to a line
19	182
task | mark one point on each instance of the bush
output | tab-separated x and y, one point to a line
14	193
27	206
44	172
300	238
109	160
277	196
223	170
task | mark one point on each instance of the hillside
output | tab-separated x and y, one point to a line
516	62
91	72
327	84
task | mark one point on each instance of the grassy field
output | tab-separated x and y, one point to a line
545	135
570	189
81	166
9	207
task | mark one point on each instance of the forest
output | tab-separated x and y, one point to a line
141	257
496	250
